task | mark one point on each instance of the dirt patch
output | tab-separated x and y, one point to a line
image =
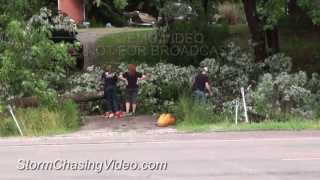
129	125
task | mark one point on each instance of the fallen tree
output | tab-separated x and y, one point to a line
34	101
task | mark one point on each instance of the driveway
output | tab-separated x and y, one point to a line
233	155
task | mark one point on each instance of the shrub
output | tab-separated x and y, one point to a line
7	127
164	85
71	117
229	72
85	82
278	63
157	93
283	94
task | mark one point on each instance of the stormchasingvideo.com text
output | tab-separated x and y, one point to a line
88	165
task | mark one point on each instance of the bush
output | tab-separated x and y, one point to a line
42	120
232	70
163	87
7	127
71	117
278	63
282	94
157	93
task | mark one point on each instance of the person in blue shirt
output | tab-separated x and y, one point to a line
201	86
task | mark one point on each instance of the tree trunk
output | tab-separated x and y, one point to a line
293	9
256	30
33	101
206	7
273	39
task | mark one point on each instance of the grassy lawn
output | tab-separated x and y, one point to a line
293	125
123	47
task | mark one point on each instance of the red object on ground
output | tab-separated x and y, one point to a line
107	114
119	114
75	9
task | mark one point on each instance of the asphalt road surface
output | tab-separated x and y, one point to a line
239	156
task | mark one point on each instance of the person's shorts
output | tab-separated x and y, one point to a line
199	96
131	95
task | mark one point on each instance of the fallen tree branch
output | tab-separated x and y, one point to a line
25	102
83	97
34	101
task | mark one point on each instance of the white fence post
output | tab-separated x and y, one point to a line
15	119
237	109
244	105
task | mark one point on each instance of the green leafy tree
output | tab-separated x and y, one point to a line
24	9
312	8
120	4
111	10
263	17
30	63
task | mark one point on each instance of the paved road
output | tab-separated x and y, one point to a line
250	155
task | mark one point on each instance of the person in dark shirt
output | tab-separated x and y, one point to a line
109	80
131	79
201	86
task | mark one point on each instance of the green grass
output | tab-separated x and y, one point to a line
193	117
42	121
293	125
127	47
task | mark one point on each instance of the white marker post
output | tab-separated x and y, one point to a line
244	105
237	108
15	119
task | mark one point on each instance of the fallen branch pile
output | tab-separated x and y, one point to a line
34	101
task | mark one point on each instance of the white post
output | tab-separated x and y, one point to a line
237	108
244	105
84	12
15	119
58	5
